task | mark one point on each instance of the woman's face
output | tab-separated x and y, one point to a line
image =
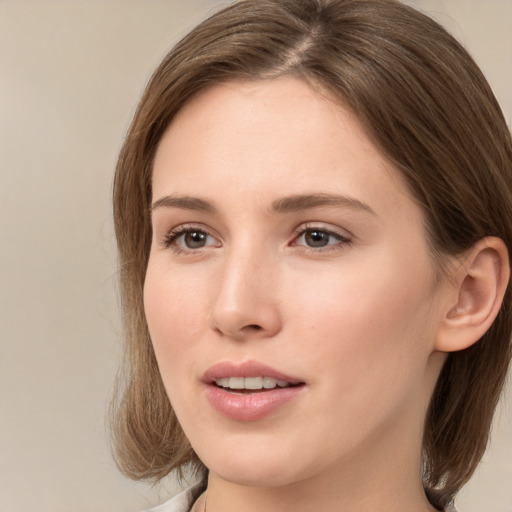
287	252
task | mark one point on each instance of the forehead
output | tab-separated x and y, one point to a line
273	135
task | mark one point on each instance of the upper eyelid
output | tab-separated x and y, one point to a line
176	231
186	228
191	226
322	226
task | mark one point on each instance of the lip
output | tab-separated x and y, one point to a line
245	369
251	406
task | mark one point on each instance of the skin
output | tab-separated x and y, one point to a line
356	320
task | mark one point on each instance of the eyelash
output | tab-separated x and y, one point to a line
171	239
302	230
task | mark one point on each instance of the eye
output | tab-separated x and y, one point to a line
194	239
188	239
319	238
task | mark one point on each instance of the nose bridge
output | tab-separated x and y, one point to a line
245	304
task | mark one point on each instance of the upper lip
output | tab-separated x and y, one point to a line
245	369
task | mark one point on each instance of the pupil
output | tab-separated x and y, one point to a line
195	239
317	238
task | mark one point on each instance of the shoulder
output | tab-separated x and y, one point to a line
182	502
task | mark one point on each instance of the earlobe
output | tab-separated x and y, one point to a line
481	280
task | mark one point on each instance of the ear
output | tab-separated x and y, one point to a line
480	281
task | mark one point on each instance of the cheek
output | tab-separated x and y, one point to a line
175	313
368	347
369	324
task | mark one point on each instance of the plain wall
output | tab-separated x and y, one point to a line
71	72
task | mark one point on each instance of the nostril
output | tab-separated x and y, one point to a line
254	327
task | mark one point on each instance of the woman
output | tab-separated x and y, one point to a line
313	211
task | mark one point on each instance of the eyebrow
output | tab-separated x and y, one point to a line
305	201
185	203
284	205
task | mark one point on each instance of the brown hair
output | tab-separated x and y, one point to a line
424	103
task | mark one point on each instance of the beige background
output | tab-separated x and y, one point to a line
70	75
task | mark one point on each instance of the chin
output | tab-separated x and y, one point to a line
254	468
252	476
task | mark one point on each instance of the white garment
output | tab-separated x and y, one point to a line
182	502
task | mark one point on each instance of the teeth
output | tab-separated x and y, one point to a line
269	382
236	383
223	383
251	383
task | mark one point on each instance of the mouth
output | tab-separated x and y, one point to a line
250	391
252	384
248	376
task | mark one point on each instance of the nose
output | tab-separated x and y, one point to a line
246	305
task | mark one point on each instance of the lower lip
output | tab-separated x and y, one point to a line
250	406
